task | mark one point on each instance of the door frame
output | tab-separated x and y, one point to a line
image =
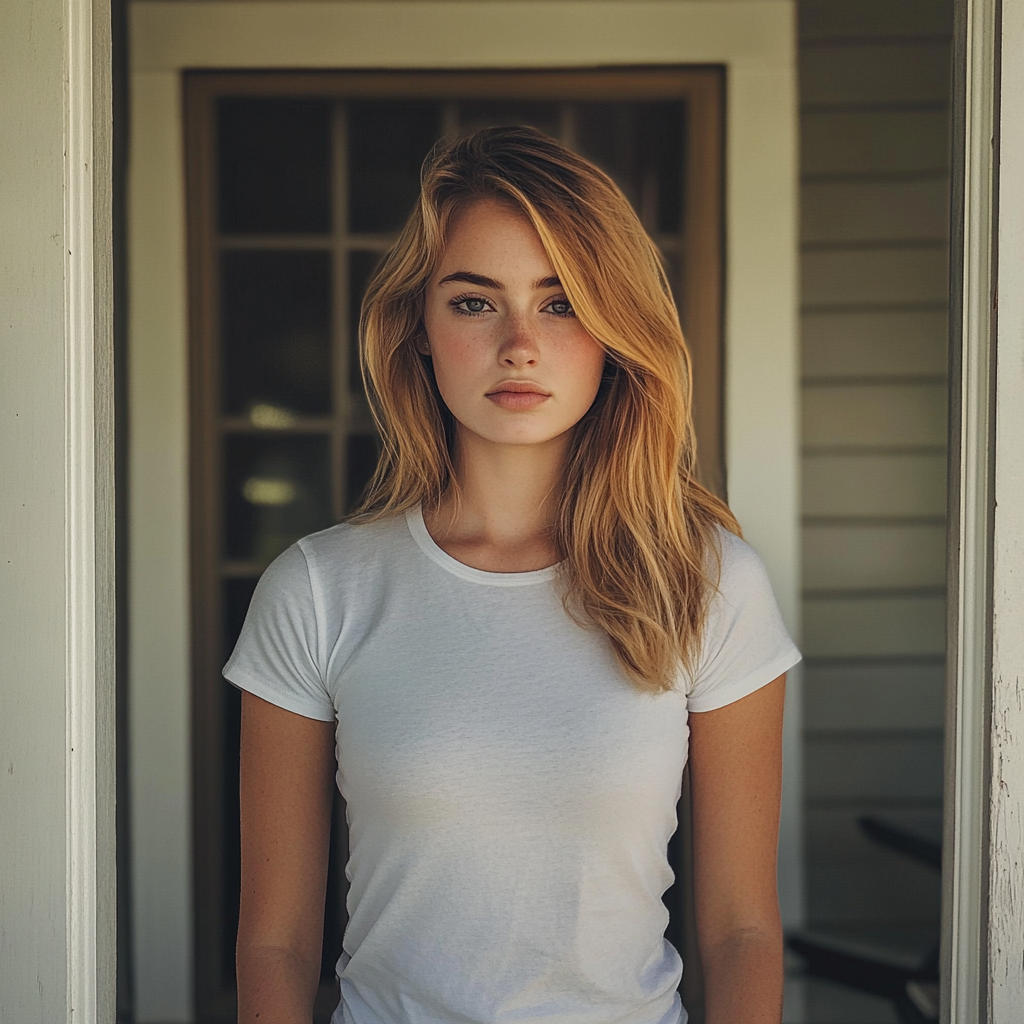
57	730
983	902
754	39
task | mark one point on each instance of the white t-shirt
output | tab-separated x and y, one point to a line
510	793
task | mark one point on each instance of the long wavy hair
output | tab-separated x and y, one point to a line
636	532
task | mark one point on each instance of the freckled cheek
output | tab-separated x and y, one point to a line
460	368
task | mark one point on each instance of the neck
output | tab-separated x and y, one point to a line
507	500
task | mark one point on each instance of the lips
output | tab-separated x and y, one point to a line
518	395
519	387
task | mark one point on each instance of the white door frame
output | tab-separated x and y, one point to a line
755	39
983	862
57	864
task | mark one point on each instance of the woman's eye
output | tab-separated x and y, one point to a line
468	304
561	307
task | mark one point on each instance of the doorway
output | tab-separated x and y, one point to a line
297	185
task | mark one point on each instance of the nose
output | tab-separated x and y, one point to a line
519	345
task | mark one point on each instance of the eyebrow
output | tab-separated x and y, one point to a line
468	277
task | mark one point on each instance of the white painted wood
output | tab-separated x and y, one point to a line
754	38
872	211
874	142
761	377
869	556
964	971
874	268
88	516
875	415
158	559
411	34
882	696
1006	795
874	485
866	19
882	276
869	343
56	553
852	627
902	71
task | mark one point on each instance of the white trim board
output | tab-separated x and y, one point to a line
1005	931
983	905
57	872
755	39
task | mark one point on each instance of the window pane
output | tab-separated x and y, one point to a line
231	865
276	315
237	595
674	271
641	145
277	489
491	113
363	450
274	165
388	140
361	266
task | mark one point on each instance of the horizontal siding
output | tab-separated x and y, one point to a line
879	626
874	557
903	275
870	343
874	78
885	696
875	415
874	767
871	19
874	211
898	72
881	486
865	142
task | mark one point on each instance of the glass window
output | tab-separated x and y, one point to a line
274	171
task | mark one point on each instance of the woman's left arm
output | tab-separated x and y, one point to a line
736	785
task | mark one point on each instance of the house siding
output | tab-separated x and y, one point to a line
874	80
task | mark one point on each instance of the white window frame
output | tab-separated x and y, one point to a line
754	39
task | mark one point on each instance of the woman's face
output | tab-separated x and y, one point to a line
512	362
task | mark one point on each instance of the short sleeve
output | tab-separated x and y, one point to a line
745	644
276	656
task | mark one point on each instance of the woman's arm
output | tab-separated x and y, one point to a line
287	778
736	785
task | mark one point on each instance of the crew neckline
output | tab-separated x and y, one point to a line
437	554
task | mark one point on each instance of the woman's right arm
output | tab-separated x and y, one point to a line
287	781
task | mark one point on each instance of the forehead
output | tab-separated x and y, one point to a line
494	231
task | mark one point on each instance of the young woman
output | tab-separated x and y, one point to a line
509	653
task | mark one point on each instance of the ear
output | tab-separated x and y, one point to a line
422	343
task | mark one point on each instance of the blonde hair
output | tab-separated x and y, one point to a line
636	532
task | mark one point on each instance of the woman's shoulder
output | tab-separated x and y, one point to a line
323	567
733	562
745	643
355	540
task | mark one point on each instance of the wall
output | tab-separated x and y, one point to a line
875	81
